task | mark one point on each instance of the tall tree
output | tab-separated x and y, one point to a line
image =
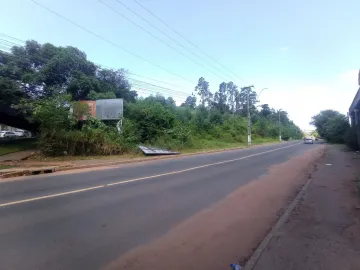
220	98
202	89
232	91
265	110
245	94
190	102
238	101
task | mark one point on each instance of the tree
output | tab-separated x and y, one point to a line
151	118
105	95
238	102
245	94
331	125
47	83
201	118
190	102
232	92
314	133
265	110
10	92
35	71
203	91
115	81
220	99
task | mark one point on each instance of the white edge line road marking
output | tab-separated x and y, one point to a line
140	178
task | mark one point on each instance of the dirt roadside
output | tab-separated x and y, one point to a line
323	231
230	230
20	168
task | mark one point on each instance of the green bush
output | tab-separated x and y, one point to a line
77	142
152	119
331	125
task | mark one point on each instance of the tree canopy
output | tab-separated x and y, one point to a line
38	71
46	82
334	127
331	125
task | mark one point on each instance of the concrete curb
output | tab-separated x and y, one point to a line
251	263
61	168
26	172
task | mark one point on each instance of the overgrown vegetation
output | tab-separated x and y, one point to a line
46	82
335	128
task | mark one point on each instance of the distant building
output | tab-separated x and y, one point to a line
354	111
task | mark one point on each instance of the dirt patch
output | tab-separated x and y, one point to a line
323	232
230	230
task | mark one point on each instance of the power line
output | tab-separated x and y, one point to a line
171	38
146	91
7	36
109	41
159	39
137	88
4	48
9	43
186	39
164	88
151	79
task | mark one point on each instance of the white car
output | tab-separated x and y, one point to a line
308	141
19	133
7	134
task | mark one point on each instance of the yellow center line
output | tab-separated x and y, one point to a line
140	178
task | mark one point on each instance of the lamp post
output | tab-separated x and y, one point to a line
249	117
261	91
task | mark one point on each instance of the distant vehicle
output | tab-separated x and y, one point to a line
19	133
7	134
308	141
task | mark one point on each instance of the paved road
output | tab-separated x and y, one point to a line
85	220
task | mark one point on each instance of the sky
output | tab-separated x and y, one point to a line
305	52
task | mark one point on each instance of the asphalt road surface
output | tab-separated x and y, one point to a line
86	220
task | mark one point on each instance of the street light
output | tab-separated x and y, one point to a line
248	113
261	91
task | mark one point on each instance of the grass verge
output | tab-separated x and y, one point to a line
2	167
201	146
7	147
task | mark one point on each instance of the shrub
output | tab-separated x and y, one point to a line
151	119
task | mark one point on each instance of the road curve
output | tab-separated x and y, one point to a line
86	220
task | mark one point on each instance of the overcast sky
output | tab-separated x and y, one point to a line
305	52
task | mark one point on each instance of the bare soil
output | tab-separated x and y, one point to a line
323	232
230	230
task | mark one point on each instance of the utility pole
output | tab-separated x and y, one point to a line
279	127
248	113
